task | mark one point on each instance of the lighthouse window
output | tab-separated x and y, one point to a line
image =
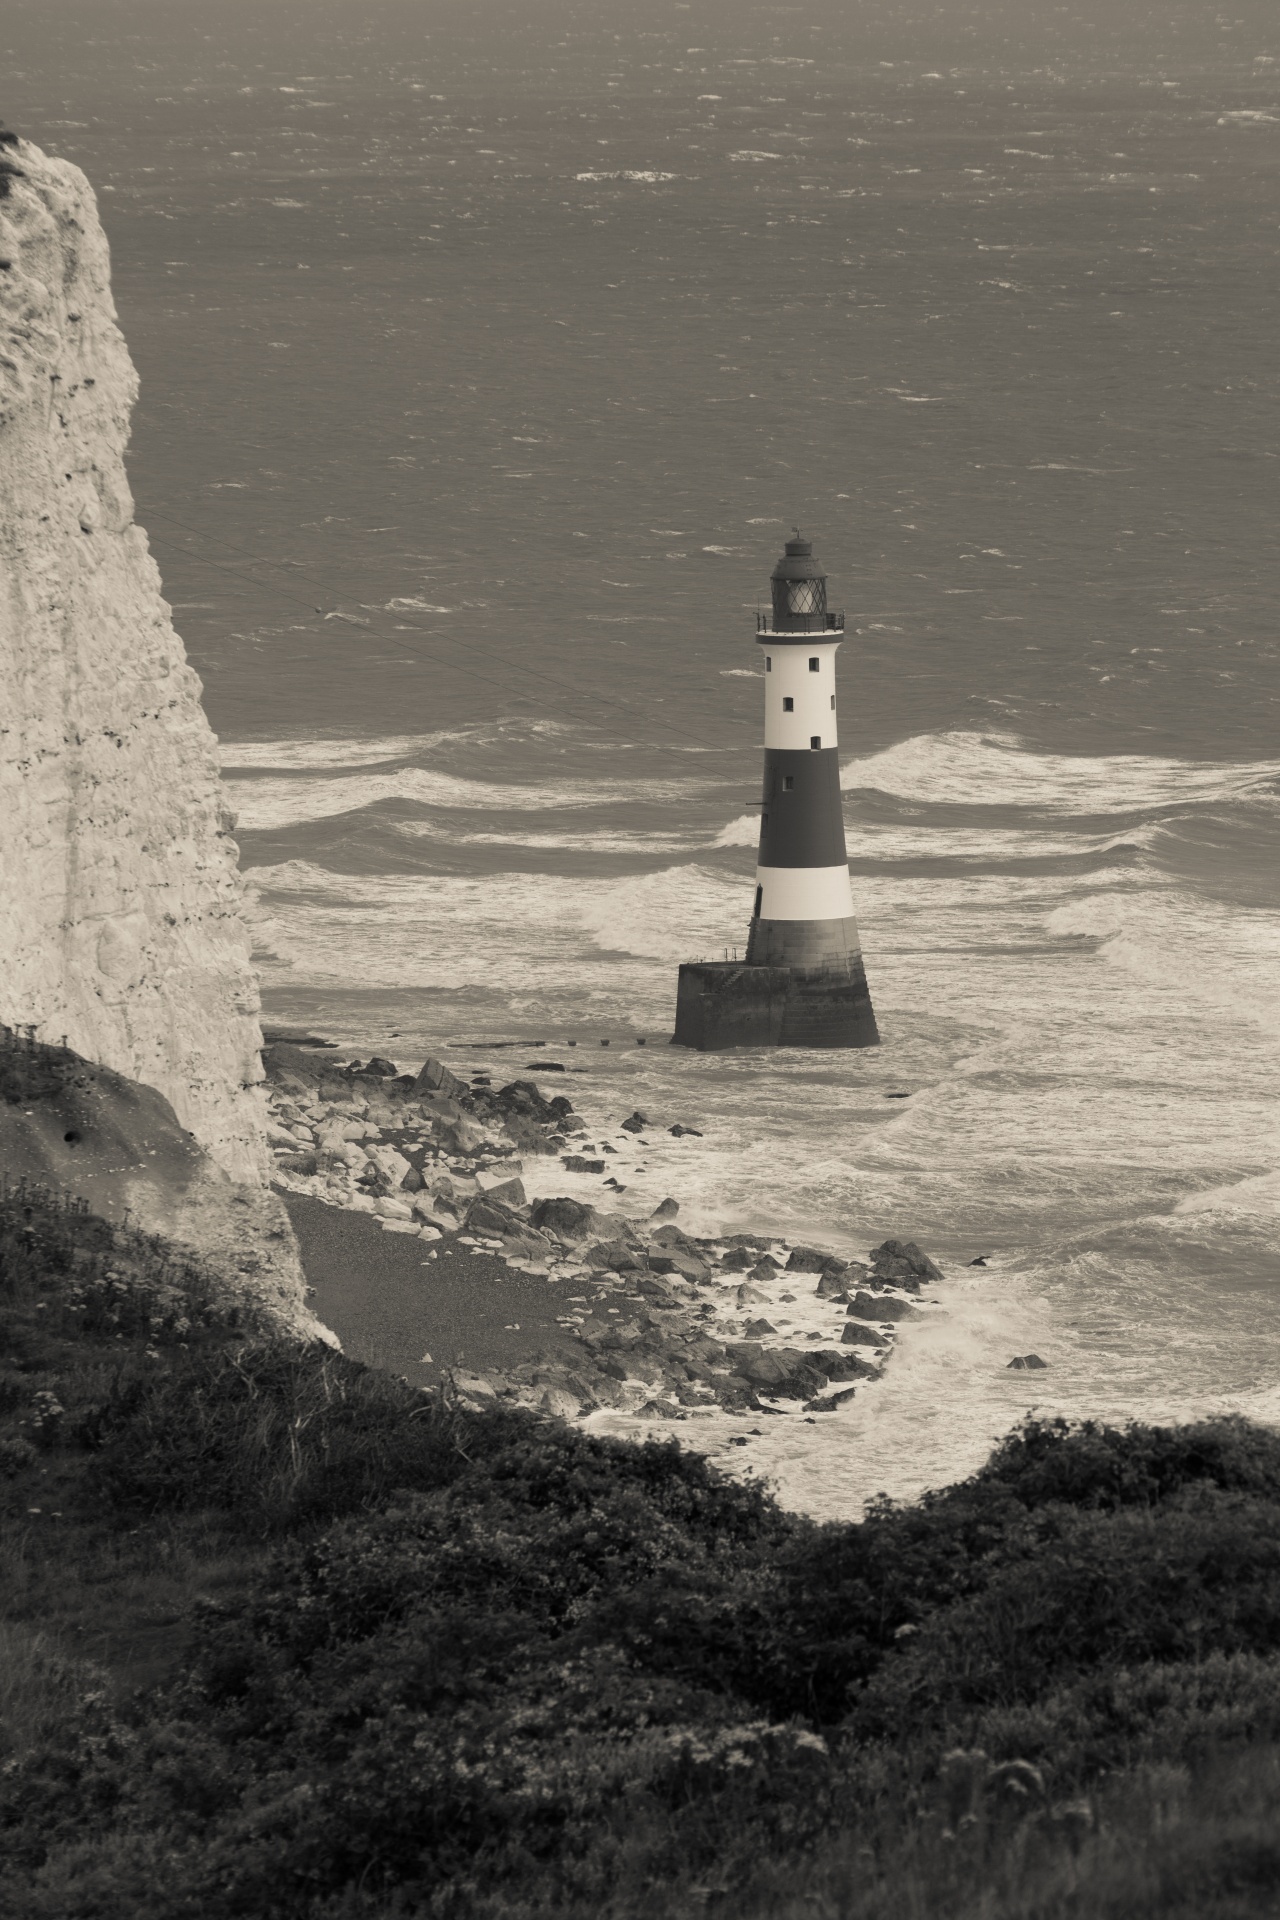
788	704
814	663
768	663
787	783
759	901
815	739
833	703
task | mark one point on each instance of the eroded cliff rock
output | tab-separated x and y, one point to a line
120	921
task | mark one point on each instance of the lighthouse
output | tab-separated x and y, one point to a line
803	983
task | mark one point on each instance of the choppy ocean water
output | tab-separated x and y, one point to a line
485	363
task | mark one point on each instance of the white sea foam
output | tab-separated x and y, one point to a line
309	755
971	769
264	803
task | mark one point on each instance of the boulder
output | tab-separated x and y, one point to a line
393	1209
577	1163
749	1296
612	1256
810	1260
665	1210
883	1306
682	1132
489	1217
901	1263
844	1365
510	1193
855	1334
738	1260
302	1163
385	1069
560	1402
434	1077
635	1123
754	1363
566	1218
1028	1363
832	1285
463	1135
758	1329
858	1333
830	1401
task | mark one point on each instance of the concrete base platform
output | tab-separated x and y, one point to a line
725	1004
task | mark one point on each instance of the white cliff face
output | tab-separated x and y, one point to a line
120	908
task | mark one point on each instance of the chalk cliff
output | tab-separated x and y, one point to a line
120	902
120	921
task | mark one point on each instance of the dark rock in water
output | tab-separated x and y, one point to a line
810	1260
758	1329
566	1217
830	1401
635	1123
859	1333
1028	1363
832	1285
575	1163
508	1193
855	1334
753	1240
385	1069
739	1260
665	1210
680	1131
560	1106
901	1263
547	1066
656	1409
285	1036
981	1261
883	1306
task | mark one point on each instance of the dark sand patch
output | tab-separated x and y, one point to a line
389	1305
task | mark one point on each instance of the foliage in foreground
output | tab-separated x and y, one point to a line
447	1663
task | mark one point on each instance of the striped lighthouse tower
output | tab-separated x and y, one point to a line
803	983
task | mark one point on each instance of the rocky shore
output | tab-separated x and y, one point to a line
653	1322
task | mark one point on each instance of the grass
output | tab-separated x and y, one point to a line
281	1635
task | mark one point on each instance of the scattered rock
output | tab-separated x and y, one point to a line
858	1332
665	1210
635	1123
576	1163
613	1256
883	1306
738	1260
434	1077
680	1132
569	1219
758	1329
832	1284
1028	1363
749	1296
830	1401
765	1269
385	1069
901	1263
855	1334
981	1261
810	1260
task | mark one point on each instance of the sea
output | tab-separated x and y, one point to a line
489	352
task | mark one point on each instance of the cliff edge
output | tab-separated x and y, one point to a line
123	952
120	916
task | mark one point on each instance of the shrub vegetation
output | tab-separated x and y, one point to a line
283	1636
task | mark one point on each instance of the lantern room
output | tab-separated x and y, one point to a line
798	589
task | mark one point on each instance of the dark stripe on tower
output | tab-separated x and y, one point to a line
802	825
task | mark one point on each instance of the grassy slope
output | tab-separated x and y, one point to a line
282	1635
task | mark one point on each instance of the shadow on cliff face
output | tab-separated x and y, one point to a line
66	1123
